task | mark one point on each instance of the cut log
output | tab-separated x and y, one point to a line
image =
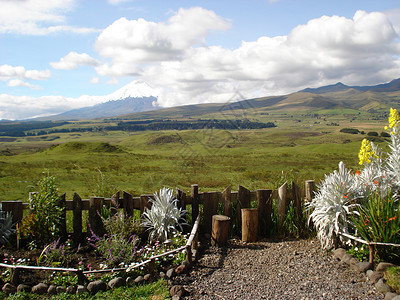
249	225
220	229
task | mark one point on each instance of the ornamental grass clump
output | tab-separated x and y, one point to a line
164	218
366	203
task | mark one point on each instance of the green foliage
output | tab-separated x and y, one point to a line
372	133
6	227
359	251
117	250
63	279
120	243
151	291
54	255
378	220
45	222
392	277
350	130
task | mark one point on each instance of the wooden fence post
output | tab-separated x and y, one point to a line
310	186
249	225
210	201
195	201
264	211
220	229
95	222
77	218
15	208
296	194
127	202
115	203
227	198
242	202
281	206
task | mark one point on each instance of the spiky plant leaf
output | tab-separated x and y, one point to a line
164	217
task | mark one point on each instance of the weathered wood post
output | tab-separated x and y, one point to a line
77	218
281	205
296	194
195	202
15	208
249	225
264	211
210	201
95	222
310	187
127	203
227	197
220	229
242	202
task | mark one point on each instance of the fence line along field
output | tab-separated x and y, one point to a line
227	202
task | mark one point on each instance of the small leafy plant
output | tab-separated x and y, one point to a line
44	224
120	245
6	227
164	217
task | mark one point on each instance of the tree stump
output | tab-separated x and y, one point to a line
220	229
249	225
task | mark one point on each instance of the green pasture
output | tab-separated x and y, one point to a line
101	163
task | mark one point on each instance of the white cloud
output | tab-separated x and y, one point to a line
95	80
141	41
19	82
113	81
8	72
37	17
73	59
23	107
116	2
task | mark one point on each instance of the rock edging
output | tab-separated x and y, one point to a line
374	277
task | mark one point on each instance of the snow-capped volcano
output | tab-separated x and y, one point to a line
134	89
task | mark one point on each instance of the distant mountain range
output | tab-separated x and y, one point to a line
392	86
138	100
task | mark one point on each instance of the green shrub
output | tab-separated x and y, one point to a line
350	130
372	133
43	226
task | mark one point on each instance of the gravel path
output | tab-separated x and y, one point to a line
297	269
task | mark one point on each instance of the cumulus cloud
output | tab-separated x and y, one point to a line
174	55
140	41
37	17
8	72
19	82
73	59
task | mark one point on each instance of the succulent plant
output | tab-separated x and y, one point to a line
164	217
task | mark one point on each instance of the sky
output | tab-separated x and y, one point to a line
64	54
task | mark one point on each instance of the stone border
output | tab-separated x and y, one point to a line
374	277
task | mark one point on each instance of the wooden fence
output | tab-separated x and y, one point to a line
227	202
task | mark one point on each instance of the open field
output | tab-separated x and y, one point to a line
99	163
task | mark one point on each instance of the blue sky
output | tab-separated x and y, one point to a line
64	54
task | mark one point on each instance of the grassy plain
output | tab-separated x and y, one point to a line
301	147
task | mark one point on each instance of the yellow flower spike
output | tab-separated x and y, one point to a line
366	152
394	118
